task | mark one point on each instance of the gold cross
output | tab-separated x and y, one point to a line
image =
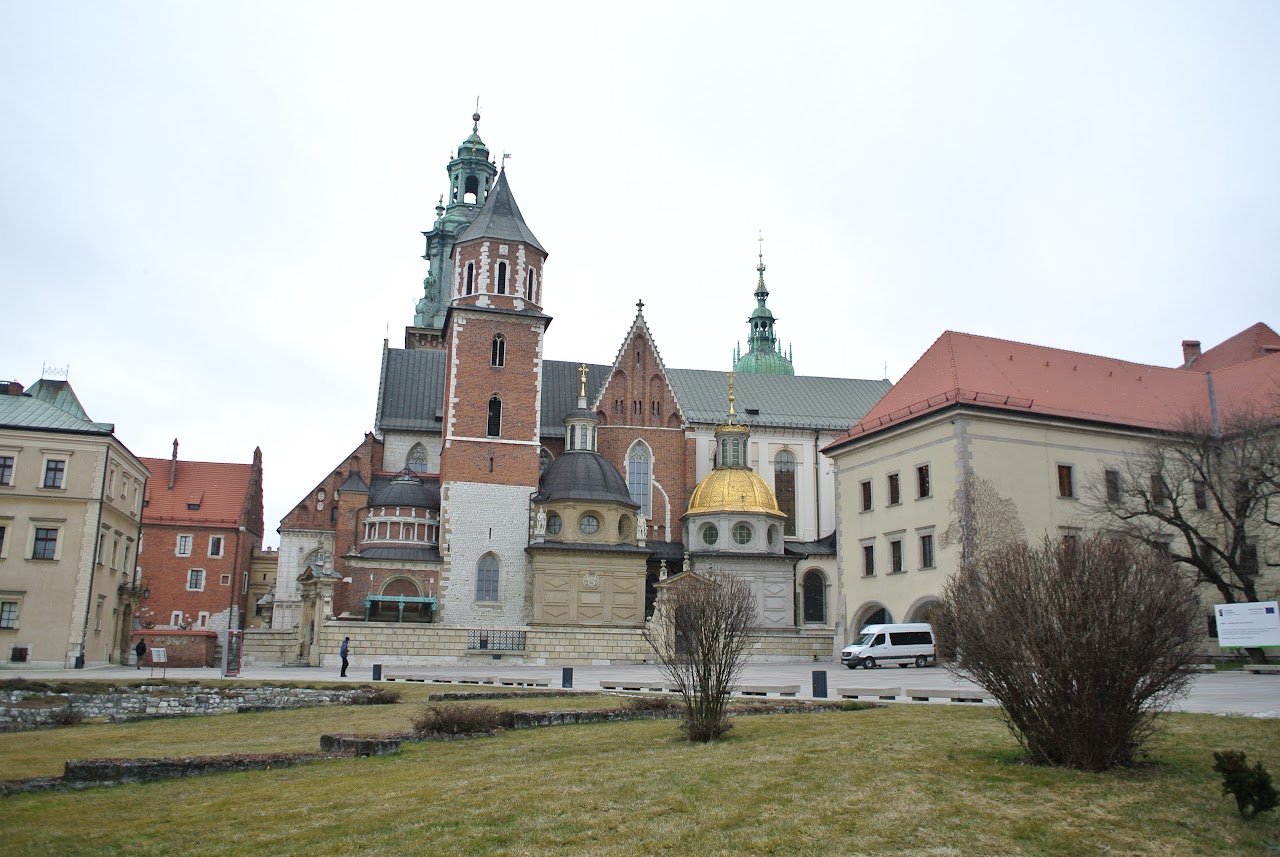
583	370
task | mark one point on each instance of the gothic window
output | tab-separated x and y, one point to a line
498	352
502	278
417	461
487	578
639	475
471	277
815	598
784	487
530	280
495	417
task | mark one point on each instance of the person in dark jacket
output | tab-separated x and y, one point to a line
344	650
141	650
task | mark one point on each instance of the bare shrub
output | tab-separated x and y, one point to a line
651	703
702	630
66	716
377	696
461	719
1083	643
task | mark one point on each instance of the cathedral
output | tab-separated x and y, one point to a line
509	506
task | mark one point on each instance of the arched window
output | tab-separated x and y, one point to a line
487	578
498	353
784	487
815	598
495	417
530	280
544	459
639	475
471	277
417	460
502	278
472	193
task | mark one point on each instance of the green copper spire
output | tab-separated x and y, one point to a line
763	356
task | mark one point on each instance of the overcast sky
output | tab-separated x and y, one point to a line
212	212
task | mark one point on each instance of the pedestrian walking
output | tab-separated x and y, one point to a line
141	650
344	650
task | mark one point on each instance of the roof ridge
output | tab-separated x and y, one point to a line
1064	351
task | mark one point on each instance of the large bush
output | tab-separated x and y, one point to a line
1083	642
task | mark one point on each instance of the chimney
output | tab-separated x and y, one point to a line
173	464
1190	351
10	388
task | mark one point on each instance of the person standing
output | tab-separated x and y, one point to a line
141	650
344	650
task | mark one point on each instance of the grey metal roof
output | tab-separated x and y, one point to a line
60	395
25	411
560	384
354	483
583	475
402	554
411	390
825	546
425	492
800	401
500	218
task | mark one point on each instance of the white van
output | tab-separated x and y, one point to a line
891	644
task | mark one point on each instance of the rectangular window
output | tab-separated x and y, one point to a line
202	619
175	618
215	545
102	548
868	560
8	615
1112	480
46	544
926	551
115	554
895	556
224	580
866	496
1066	486
923	487
195	580
2	531
1158	493
1202	495
54	470
895	490
6	469
184	545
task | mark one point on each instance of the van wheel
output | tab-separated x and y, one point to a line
868	663
902	666
921	661
853	665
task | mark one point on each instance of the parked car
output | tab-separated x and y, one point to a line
891	644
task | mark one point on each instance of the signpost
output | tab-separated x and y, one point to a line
160	656
1253	625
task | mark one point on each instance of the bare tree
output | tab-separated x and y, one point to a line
981	519
1209	495
1082	643
702	630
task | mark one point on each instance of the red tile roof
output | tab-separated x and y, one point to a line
1249	344
219	489
978	371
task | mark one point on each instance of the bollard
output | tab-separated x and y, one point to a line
377	672
819	684
566	676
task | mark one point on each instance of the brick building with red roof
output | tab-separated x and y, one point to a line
201	523
1044	428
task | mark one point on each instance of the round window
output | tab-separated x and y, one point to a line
625	527
554	524
589	524
710	534
771	534
742	533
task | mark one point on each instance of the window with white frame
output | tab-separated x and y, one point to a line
55	471
8	615
639	476
6	470
869	558
45	544
1066	481
202	619
895	489
924	487
184	545
896	564
195	580
224	580
175	618
865	486
215	546
927	558
4	529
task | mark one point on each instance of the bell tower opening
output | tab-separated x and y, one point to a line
471	193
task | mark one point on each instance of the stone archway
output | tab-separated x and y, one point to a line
921	610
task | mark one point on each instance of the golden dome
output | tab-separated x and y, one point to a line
733	489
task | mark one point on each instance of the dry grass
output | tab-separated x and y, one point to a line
898	780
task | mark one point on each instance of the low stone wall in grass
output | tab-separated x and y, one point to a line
34	709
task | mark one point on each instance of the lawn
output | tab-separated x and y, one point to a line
896	780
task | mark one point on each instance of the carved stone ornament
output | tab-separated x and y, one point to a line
590	581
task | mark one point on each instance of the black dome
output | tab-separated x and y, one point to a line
406	490
583	475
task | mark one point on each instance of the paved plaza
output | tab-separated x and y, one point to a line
1226	693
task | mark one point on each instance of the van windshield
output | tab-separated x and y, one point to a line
867	639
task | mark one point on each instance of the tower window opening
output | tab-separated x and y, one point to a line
471	277
472	193
495	418
529	281
498	355
502	278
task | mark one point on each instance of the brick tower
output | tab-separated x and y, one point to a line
493	335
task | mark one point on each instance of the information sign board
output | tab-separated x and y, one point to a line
1253	625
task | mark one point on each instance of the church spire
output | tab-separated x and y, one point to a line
763	355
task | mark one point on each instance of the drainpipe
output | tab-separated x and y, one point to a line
93	565
1213	405
817	489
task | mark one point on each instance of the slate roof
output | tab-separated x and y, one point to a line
800	401
583	475
500	218
401	554
560	384
961	369
825	546
387	491
411	390
219	488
